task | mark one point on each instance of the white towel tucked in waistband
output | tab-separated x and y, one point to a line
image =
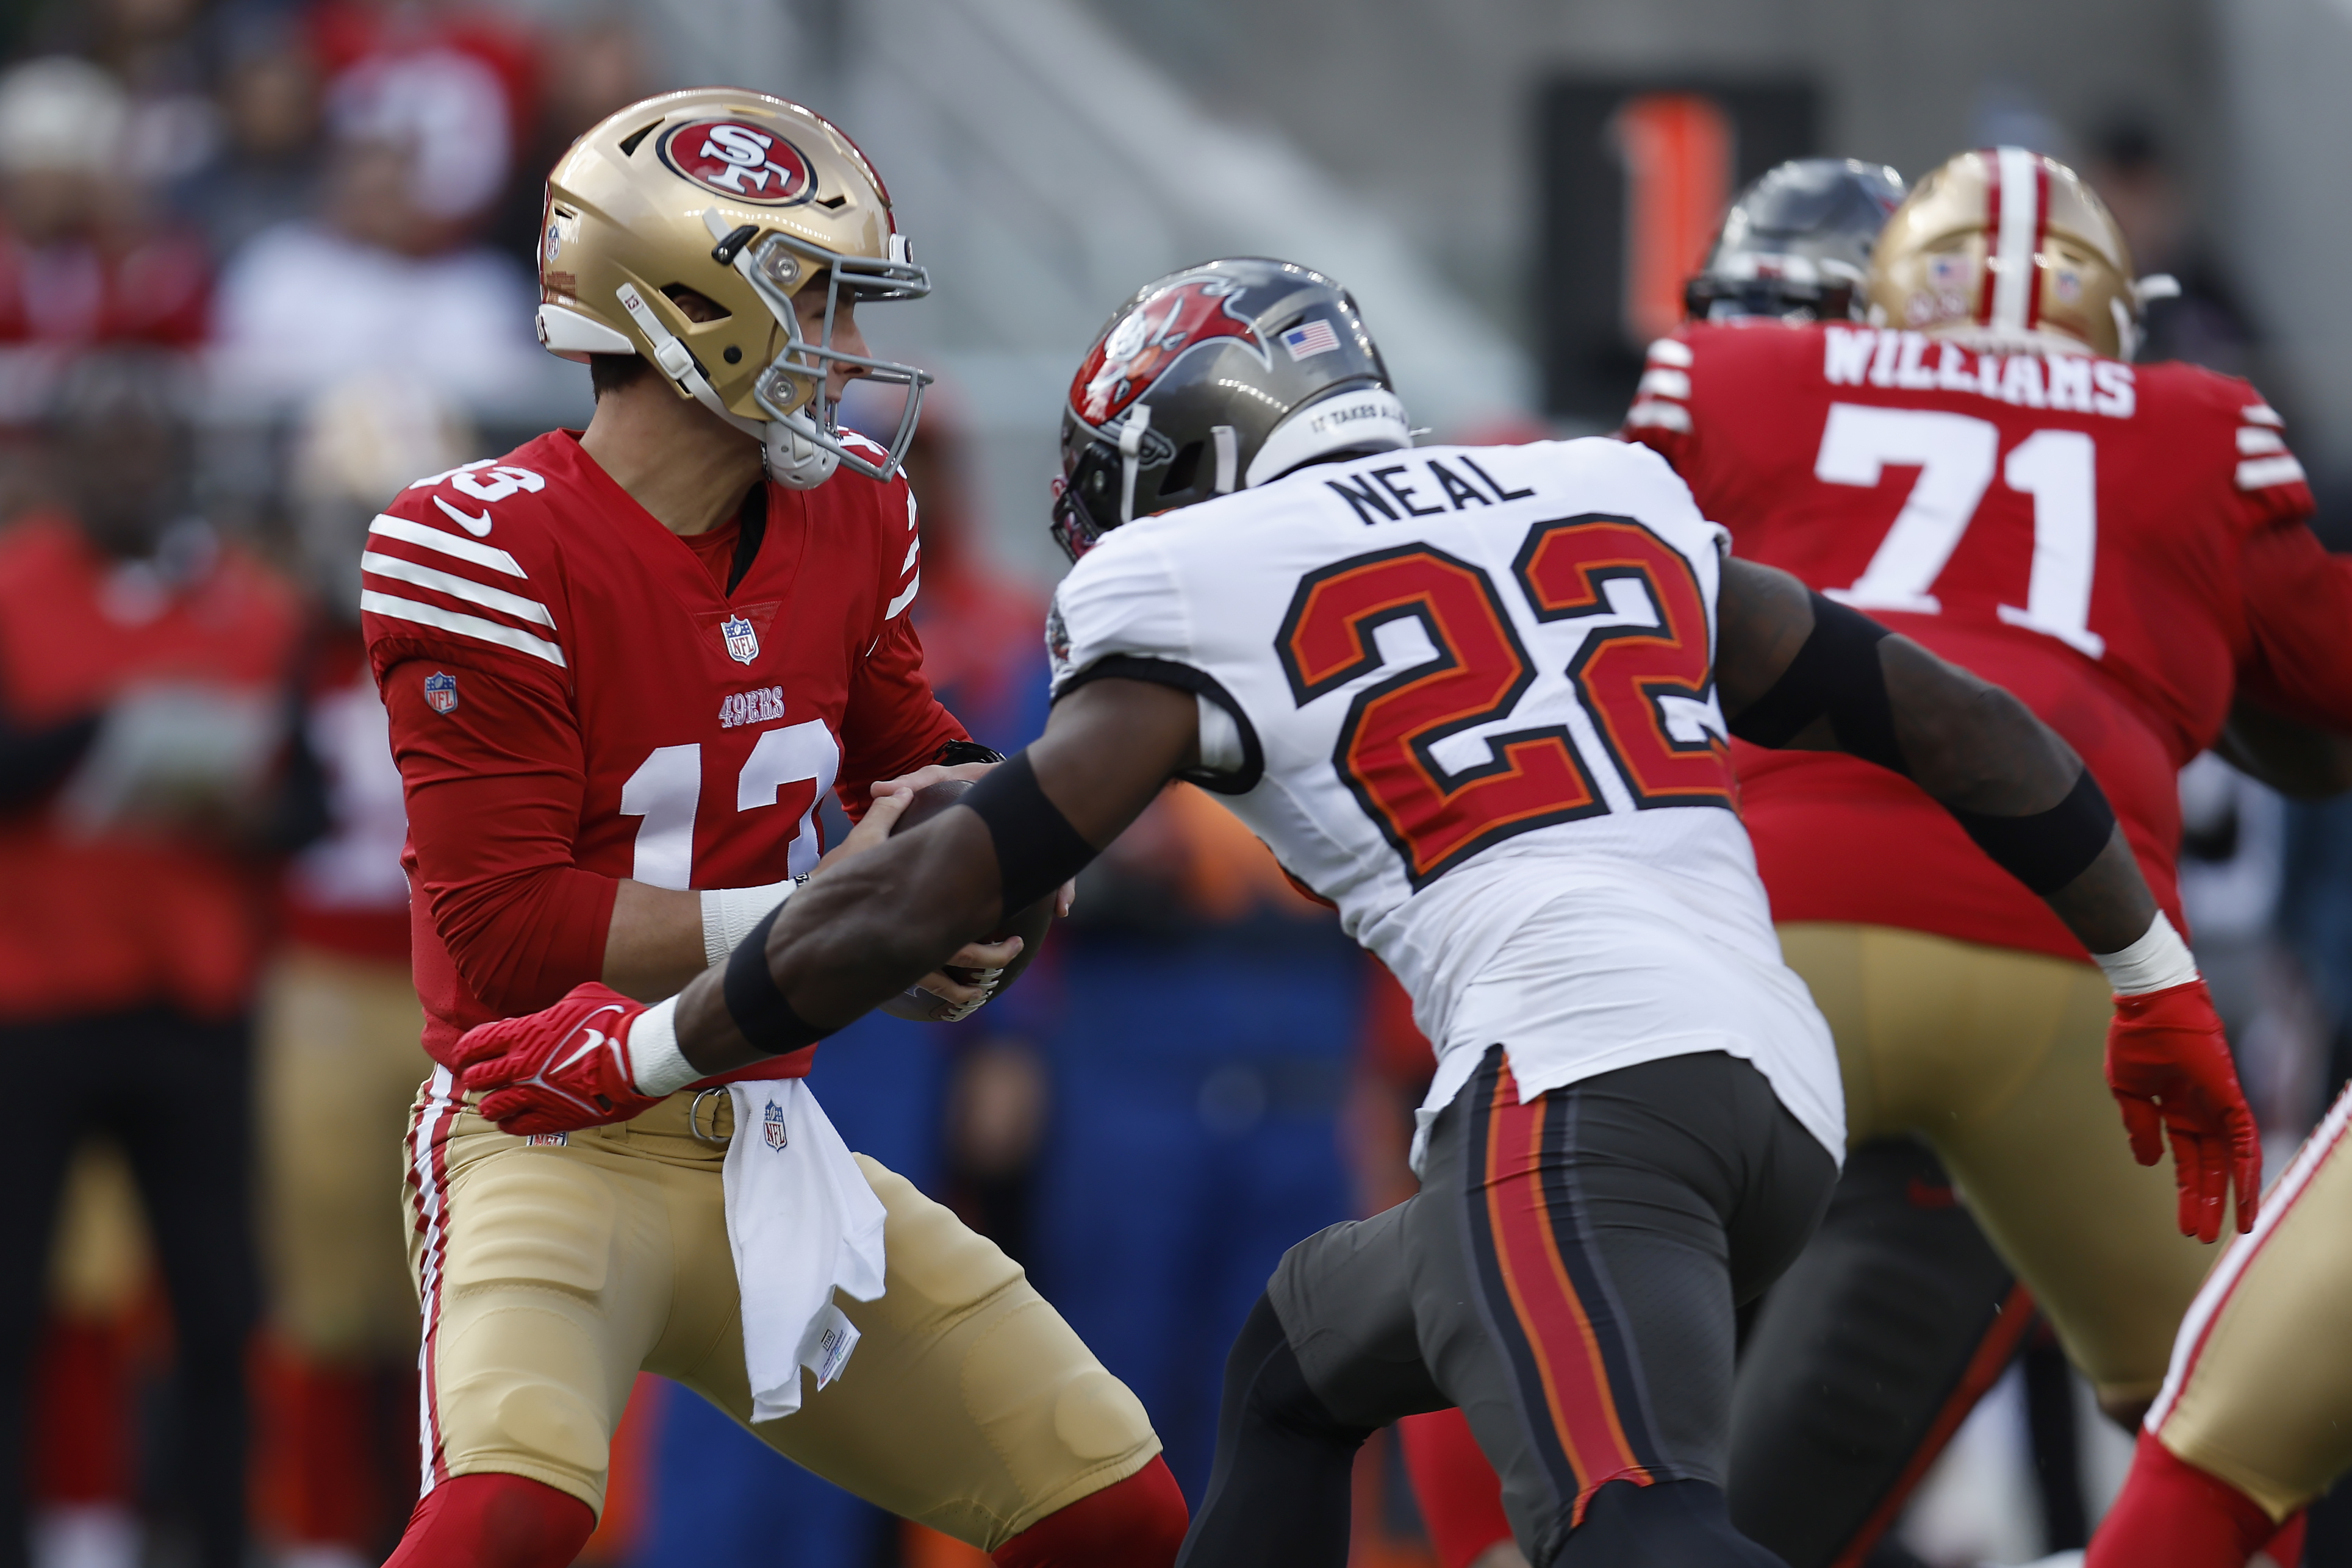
802	1222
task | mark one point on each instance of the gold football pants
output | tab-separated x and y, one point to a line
551	1271
339	1066
1995	1058
2260	1393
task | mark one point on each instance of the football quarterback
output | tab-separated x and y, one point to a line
621	667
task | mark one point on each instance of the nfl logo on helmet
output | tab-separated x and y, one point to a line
742	642
772	1125
441	691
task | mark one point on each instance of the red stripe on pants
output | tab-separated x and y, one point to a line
1544	1299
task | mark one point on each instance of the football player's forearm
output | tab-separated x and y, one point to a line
853	937
653	944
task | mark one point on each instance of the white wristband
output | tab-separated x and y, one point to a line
656	1066
2159	960
730	912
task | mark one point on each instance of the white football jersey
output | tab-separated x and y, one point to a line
1467	695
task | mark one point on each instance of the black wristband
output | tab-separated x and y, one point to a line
1835	673
2048	849
1036	848
762	1016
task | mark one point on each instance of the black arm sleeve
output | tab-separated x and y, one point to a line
1036	848
1835	673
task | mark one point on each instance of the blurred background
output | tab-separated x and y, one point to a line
263	262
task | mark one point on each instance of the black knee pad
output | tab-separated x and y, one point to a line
1667	1524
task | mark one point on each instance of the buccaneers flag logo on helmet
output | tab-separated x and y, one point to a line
1153	336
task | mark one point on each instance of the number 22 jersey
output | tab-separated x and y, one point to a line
2120	546
1466	695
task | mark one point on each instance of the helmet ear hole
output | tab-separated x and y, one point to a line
1178	477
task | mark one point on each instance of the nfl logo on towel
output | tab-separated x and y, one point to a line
1310	339
742	642
772	1125
441	691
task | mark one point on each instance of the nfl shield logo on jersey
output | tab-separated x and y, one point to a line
742	642
441	691
772	1125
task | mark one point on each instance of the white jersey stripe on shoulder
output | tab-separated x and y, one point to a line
1667	351
903	600
2260	413
456	587
1660	382
2253	441
2260	473
2019	223
447	543
463	626
1663	416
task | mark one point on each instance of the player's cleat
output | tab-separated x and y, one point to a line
2168	1064
560	1069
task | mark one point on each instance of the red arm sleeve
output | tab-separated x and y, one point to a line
893	723
494	791
2298	601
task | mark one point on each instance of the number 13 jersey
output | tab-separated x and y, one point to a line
2121	546
1466	695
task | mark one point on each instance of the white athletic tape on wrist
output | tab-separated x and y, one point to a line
730	912
2157	962
656	1064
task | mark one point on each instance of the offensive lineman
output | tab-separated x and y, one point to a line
621	665
2141	560
1469	695
2124	547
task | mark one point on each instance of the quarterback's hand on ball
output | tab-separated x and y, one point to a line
2168	1064
553	1071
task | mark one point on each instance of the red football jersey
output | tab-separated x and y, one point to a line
2121	546
573	700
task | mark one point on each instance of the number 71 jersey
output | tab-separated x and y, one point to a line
1466	695
2089	534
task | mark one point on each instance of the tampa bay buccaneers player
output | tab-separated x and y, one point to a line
1476	698
621	666
2122	545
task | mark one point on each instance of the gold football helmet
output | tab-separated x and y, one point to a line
2010	245
745	199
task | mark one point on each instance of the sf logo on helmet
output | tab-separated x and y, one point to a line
743	160
1155	335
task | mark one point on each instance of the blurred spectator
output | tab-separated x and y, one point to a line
141	669
83	261
266	170
2135	175
385	282
592	69
339	1056
454	83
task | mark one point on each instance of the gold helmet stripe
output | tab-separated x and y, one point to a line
2018	207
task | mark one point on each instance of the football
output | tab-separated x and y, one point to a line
1029	924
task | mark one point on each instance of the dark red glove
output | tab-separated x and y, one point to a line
2168	1064
558	1070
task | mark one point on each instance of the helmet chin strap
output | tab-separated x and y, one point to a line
793	459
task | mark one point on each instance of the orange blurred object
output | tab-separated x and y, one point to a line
1677	150
922	1548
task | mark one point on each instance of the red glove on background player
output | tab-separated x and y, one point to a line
2168	1064
560	1069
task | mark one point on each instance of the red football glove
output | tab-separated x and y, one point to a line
558	1070
2168	1064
